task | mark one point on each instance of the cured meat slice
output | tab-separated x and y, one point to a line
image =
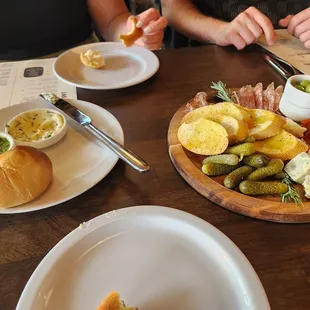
200	100
245	97
269	97
279	92
258	94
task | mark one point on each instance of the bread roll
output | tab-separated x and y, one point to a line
113	302
25	173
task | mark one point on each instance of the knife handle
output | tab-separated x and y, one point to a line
125	154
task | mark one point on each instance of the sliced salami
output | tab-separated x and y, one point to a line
279	92
200	100
269	95
258	94
245	97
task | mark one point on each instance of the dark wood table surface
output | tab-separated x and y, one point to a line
280	253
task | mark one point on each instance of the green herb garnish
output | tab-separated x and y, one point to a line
222	91
291	194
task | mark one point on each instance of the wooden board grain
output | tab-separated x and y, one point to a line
261	207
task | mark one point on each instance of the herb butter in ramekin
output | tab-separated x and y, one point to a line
38	128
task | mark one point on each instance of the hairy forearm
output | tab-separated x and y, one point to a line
110	17
184	16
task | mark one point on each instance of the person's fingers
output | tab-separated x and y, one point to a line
237	41
153	38
252	25
146	17
298	19
264	22
246	34
152	47
302	28
284	22
156	26
307	44
304	37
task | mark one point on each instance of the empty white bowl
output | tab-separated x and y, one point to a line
9	138
295	104
46	137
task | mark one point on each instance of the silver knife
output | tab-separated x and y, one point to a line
274	61
81	118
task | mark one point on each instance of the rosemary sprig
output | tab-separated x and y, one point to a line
222	91
291	194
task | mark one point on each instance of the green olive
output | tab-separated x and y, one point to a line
299	87
304	83
308	89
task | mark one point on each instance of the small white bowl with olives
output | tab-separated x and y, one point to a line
295	101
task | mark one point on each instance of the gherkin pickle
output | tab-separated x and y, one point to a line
254	188
233	179
274	166
256	160
243	149
211	169
227	159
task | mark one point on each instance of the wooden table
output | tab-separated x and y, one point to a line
280	253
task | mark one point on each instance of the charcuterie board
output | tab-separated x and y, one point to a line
188	164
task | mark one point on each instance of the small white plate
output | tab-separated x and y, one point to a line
155	257
79	160
125	66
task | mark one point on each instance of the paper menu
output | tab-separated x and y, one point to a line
21	81
290	49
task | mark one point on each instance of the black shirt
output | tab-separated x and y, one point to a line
33	28
229	9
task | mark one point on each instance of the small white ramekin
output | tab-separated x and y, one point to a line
10	139
295	104
46	142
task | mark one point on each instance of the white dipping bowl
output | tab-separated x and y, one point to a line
9	138
40	144
295	104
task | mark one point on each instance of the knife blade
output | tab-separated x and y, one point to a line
84	120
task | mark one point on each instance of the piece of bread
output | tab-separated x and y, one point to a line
113	302
92	59
131	37
25	173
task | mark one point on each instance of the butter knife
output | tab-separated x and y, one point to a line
84	120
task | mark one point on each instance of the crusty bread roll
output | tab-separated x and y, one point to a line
113	302
25	174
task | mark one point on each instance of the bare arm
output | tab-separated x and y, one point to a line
184	16
110	17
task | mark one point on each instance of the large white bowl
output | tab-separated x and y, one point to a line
46	142
295	103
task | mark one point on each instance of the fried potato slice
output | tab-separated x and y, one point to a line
131	37
203	137
222	108
92	59
266	124
284	146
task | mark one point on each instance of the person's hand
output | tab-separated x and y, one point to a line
299	26
153	25
245	29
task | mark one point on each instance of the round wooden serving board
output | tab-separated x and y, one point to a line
261	207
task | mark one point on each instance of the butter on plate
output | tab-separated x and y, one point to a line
299	167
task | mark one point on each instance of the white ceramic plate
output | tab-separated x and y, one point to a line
79	160
125	66
155	257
